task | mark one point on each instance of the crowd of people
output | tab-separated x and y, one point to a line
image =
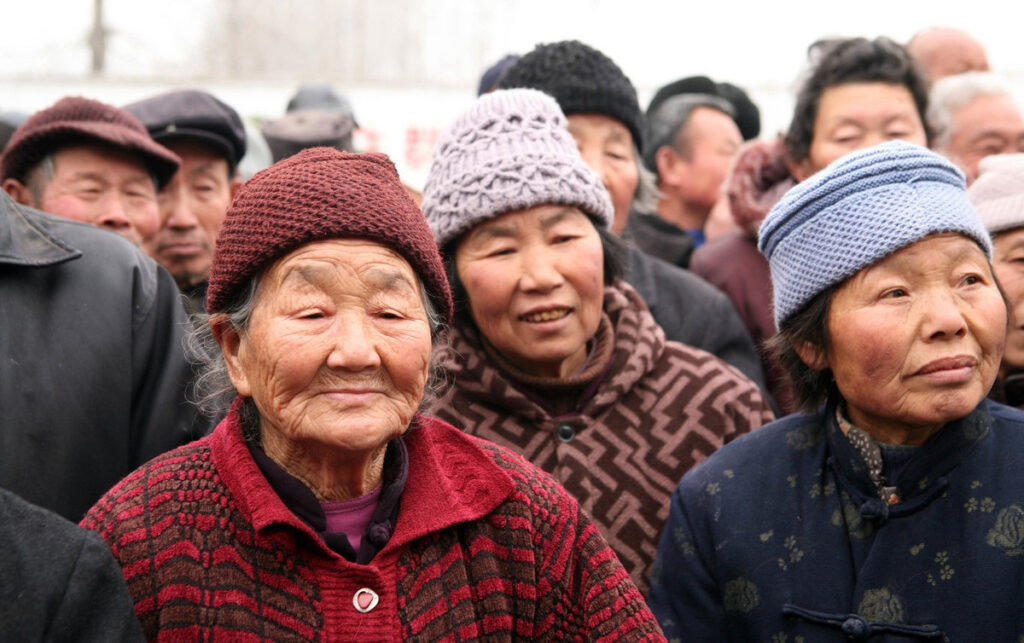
536	399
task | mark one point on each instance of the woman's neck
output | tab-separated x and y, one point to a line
330	476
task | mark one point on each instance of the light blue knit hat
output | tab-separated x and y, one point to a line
859	209
511	150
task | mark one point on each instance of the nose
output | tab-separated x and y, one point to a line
594	159
114	216
176	213
539	271
944	316
355	343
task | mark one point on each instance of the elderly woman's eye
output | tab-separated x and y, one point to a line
892	293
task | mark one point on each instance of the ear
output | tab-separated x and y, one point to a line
667	161
19	192
235	185
232	346
812	355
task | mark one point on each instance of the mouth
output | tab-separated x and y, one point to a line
952	369
541	316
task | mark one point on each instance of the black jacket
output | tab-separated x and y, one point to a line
92	368
60	582
693	312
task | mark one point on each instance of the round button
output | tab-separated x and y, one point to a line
856	628
365	599
566	432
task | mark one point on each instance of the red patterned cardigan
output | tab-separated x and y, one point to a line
485	546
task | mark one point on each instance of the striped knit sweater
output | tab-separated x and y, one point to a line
485	546
658	409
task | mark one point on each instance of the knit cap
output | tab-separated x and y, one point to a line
859	209
73	120
511	150
582	79
318	194
998	192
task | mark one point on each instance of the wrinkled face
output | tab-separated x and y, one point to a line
337	349
535	283
105	187
917	338
987	125
858	115
712	139
607	148
1008	264
192	208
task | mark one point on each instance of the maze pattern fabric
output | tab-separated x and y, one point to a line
485	546
661	408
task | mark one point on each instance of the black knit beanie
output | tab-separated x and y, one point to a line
582	80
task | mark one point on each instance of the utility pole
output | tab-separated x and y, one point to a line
98	39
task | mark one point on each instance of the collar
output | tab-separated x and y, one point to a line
26	238
924	475
450	480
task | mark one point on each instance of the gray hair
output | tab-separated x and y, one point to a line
647	195
39	176
953	92
664	125
212	392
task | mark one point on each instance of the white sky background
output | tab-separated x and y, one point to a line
758	45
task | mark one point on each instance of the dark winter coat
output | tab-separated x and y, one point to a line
782	536
92	369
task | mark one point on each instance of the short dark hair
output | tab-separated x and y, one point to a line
840	61
811	387
614	250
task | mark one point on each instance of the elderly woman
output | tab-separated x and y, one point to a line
554	355
856	93
324	506
998	196
892	509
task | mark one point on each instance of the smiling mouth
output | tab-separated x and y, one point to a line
545	316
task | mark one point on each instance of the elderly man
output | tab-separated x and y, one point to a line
691	140
974	115
92	370
91	162
944	51
209	137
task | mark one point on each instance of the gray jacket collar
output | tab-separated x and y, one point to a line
28	238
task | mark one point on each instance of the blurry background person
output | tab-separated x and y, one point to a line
60	581
92	370
690	143
945	51
891	507
325	505
91	162
974	115
998	196
855	93
316	116
9	121
209	138
605	120
553	354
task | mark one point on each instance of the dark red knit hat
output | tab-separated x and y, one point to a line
82	120
321	193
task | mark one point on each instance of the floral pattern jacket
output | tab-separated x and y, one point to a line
781	536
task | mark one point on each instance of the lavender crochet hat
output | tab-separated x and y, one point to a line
998	192
859	209
511	150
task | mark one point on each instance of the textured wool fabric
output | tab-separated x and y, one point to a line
859	209
658	409
485	547
73	120
320	194
509	151
193	114
758	180
998	192
781	536
582	80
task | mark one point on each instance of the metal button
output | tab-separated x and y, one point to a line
565	432
365	599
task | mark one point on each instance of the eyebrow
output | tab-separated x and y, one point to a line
203	169
383	279
498	230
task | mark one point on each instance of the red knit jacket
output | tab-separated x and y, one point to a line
485	545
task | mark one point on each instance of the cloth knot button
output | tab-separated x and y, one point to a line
566	433
380	533
875	510
856	628
365	599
